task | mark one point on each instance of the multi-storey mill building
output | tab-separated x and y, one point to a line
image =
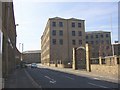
59	38
100	42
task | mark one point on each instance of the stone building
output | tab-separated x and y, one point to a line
100	42
33	56
116	49
59	38
8	38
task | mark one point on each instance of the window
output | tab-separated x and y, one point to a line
96	42
54	32
79	33
73	24
107	35
61	41
61	33
73	42
92	42
80	42
101	36
86	37
96	36
86	41
54	41
107	47
103	54
61	24
79	24
54	24
73	33
91	36
107	41
102	42
93	54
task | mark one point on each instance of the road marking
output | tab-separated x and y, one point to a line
69	77
51	80
98	85
96	78
33	81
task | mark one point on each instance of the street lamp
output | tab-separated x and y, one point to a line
22	50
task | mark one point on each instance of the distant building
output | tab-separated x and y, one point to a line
33	56
116	48
100	42
59	38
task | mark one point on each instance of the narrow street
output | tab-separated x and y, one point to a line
48	78
43	77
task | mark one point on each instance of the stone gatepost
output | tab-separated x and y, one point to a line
115	60
74	65
100	60
88	62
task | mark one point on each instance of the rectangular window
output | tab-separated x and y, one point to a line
107	41
102	42
96	36
54	24
92	36
60	24
92	42
79	24
61	41
79	33
54	32
54	41
73	24
86	37
107	47
73	42
61	33
73	33
107	35
96	42
101	36
80	42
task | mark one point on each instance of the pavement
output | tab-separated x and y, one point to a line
20	79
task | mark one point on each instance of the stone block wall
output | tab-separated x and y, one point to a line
105	69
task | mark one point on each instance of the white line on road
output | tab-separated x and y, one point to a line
98	85
69	77
96	78
51	80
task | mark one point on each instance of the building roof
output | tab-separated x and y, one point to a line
65	19
100	31
33	51
56	18
116	43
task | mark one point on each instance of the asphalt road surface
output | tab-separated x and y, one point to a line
47	78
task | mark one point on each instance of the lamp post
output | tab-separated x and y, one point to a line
22	50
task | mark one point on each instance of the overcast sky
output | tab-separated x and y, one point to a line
32	17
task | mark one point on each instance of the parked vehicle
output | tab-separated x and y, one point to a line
33	65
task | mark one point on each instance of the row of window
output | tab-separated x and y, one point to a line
97	42
73	24
98	36
61	33
54	42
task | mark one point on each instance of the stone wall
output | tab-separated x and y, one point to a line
105	69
